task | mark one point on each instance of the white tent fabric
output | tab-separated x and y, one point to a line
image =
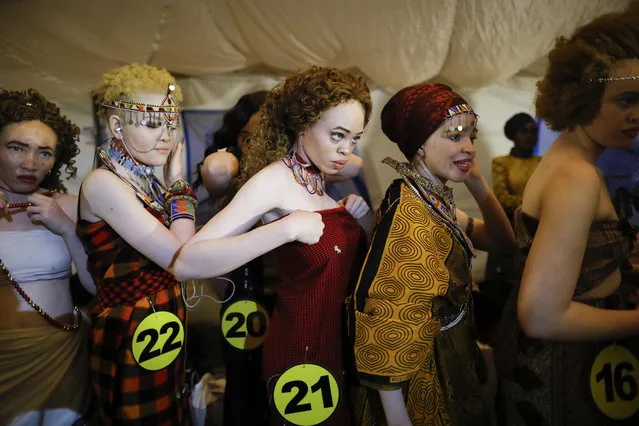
492	51
62	47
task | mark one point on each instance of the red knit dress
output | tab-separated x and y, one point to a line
306	325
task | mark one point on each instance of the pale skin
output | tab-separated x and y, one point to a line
568	182
27	153
274	194
105	197
219	168
450	156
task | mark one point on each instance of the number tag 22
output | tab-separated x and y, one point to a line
614	382
158	340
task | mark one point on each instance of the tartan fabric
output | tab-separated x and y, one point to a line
126	281
122	275
127	393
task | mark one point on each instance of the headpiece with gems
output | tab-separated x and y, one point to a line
415	112
169	109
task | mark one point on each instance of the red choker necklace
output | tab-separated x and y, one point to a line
306	174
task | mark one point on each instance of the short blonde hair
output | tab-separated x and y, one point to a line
122	82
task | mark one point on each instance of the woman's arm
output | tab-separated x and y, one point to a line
394	407
494	232
545	307
69	203
59	215
219	248
106	197
217	171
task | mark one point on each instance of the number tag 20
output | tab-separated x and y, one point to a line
157	340
244	324
296	404
613	382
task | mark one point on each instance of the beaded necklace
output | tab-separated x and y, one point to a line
38	309
306	174
155	199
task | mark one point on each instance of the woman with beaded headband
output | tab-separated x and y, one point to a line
414	334
132	226
567	346
43	361
309	125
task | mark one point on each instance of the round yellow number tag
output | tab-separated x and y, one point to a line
306	394
613	382
244	324
158	340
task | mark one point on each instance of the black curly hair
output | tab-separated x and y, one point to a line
232	122
27	105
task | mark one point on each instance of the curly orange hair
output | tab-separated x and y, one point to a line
569	95
293	106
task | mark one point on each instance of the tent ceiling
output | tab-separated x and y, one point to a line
62	47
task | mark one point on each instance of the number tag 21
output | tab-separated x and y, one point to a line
296	404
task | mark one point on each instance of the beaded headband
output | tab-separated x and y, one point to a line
169	107
606	79
456	110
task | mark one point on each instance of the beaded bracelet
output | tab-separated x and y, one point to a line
180	201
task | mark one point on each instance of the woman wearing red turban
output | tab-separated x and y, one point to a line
415	337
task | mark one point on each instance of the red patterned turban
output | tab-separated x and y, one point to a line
415	112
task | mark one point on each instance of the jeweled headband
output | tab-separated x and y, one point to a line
415	112
169	107
456	111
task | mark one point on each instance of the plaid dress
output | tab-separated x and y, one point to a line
129	287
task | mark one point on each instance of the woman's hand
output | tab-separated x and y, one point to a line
307	227
173	167
355	205
46	211
476	183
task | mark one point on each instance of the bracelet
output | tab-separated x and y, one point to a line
470	226
180	201
179	185
181	207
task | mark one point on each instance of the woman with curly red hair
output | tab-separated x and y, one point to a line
567	345
43	360
310	124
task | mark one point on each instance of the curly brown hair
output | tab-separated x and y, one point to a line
569	95
293	106
29	105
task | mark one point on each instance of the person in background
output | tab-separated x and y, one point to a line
510	173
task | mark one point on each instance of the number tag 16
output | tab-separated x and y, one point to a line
306	394
158	340
613	382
